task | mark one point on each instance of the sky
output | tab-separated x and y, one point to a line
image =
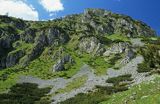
147	11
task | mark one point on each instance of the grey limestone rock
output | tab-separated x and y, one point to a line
59	66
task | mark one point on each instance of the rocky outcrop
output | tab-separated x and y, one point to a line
6	42
2	63
41	42
87	30
106	22
121	48
116	48
91	45
13	58
60	65
129	55
55	36
29	35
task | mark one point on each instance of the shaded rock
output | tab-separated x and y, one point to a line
59	66
13	58
129	55
7	40
29	35
54	35
3	63
41	42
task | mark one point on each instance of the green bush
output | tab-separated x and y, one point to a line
117	80
108	90
151	58
91	98
143	67
25	93
113	60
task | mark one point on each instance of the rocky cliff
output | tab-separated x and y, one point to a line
90	27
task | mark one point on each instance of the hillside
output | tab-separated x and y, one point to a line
100	52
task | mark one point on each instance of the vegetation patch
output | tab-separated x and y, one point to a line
145	93
90	98
117	80
102	93
118	38
76	83
25	93
151	58
143	67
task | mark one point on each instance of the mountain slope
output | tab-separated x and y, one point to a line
60	48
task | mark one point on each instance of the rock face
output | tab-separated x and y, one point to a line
60	65
41	42
6	46
116	48
91	45
2	63
54	35
129	55
115	23
119	48
87	29
29	35
13	58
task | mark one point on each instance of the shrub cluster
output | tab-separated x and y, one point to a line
25	93
151	58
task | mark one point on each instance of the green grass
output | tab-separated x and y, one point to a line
99	65
9	77
22	46
5	85
41	67
77	82
145	93
118	37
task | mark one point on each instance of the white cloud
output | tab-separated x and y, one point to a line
19	9
52	5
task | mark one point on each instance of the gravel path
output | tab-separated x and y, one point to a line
58	83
